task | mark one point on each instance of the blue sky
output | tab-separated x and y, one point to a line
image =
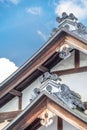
25	25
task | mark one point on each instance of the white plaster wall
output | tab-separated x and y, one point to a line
65	64
10	106
67	126
83	59
77	82
69	62
28	93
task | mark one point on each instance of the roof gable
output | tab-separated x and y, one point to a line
40	104
42	61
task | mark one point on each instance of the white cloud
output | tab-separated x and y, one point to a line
42	35
6	68
34	10
77	7
10	1
14	1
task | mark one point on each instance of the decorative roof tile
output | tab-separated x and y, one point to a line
51	84
71	23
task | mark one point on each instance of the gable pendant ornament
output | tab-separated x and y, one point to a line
46	118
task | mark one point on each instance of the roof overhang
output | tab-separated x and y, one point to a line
41	103
45	58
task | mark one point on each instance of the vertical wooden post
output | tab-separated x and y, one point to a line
20	102
59	123
77	59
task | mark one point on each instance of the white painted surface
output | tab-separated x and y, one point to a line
83	59
65	64
77	82
10	106
67	126
28	93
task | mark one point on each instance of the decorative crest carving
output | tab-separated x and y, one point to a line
48	75
65	51
70	23
69	97
81	28
66	16
60	91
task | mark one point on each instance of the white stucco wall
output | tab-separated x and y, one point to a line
67	126
26	96
10	106
83	59
77	82
28	93
65	64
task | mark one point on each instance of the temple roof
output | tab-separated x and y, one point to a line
45	56
39	104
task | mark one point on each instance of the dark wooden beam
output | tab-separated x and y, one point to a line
29	116
77	59
71	71
20	103
43	69
8	115
15	92
35	125
59	123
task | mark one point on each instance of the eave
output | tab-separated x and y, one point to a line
42	102
44	58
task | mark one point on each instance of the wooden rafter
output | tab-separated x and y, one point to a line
43	69
67	116
8	115
19	95
15	92
71	71
35	125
